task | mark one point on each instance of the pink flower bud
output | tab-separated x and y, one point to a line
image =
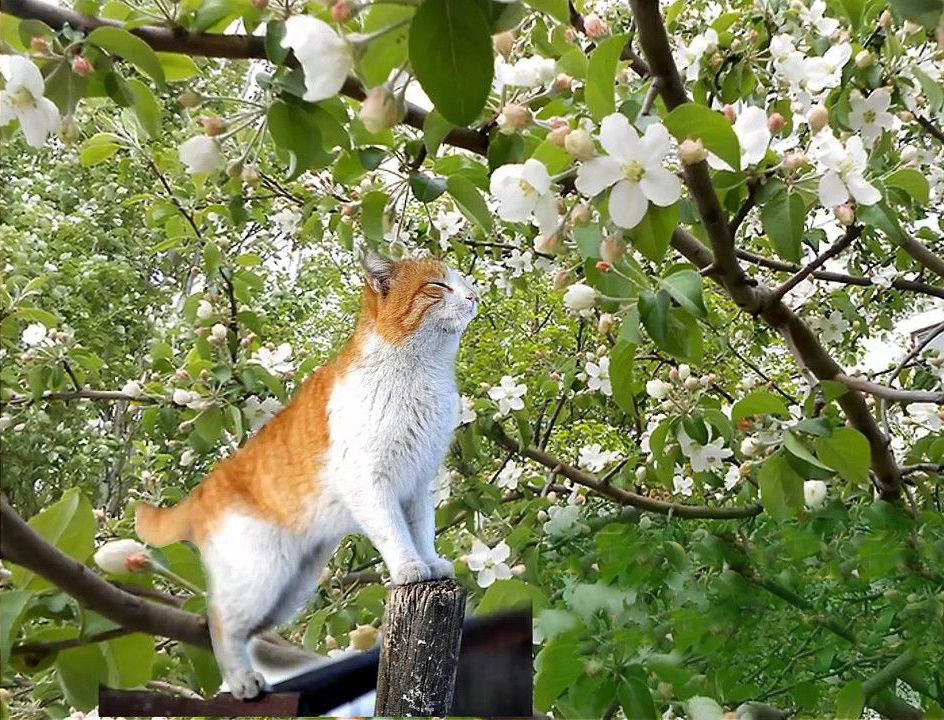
613	249
190	99
513	118
81	66
594	26
845	214
549	244
379	110
885	19
692	151
776	122
605	324
729	113
212	125
39	44
736	44
138	562
793	161
817	118
341	11
558	135
603	266
182	374
579	144
563	82
561	279
503	43
581	214
673	374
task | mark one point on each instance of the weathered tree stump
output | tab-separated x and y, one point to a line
420	649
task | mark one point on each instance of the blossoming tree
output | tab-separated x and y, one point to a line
692	436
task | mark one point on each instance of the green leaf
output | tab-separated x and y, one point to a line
781	489
12	610
782	217
451	54
80	671
296	129
653	234
205	669
923	12
557	9
558	666
146	108
601	77
850	701
427	188
129	47
509	594
470	201
796	447
912	182
692	120
130	660
654	313
435	130
621	375
69	525
703	708
685	287
847	450
879	216
99	148
275	31
759	402
636	699
177	67
372	215
209	424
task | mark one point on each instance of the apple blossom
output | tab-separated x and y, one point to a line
753	134
825	71
121	556
523	191
22	99
508	394
579	144
814	493
275	361
598	375
683	485
633	167
594	458
843	173
34	334
201	154
509	475
326	58
658	389
815	15
870	116
489	563
709	456
580	297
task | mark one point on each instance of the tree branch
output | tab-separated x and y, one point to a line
66	396
221	46
852	232
889	393
624	497
920	252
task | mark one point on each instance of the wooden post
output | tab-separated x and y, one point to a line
420	649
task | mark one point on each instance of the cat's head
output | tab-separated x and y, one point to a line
407	298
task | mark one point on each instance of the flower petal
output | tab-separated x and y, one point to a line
486	577
596	175
832	190
618	137
535	174
661	186
654	145
864	192
500	552
545	212
628	204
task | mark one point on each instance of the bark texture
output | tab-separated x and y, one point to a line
420	649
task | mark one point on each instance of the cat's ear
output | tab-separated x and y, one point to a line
378	271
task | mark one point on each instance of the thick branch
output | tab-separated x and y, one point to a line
625	497
109	395
889	393
852	232
221	46
924	256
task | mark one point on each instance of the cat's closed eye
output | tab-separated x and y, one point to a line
439	284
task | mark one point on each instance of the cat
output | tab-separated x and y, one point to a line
355	451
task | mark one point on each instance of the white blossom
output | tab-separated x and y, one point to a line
825	71
732	477
844	167
258	413
204	310
528	72
710	456
814	493
753	136
870	116
442	486
633	167
326	58
22	99
275	361
131	388
466	410
658	389
449	225
523	191
118	557
885	277
34	334
288	220
598	376
683	485
561	519
831	328
509	475
815	15
926	413
579	297
519	262
508	394
489	563
688	56
201	154
594	458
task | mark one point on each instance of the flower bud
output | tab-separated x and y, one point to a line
684	371
750	446
379	110
603	266
729	113
581	214
668	406
518	570
906	116
503	43
594	26
330	642
131	389
182	397
115	557
736	44
549	244
885	19
363	637
259	5
692	383
552	497
250	174
817	117
100	515
580	297
613	249
558	135
39	44
776	122
69	132
563	82
204	310
793	161
218	333
692	151
561	279
206	375
81	66
512	118
641	473
658	389
605	324
579	144
864	59
542	516
580	499
844	214
182	374
212	125
235	169
673	374
190	99
912	27
341	11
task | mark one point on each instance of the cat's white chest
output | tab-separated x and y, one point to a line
393	416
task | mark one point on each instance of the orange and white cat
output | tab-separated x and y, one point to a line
355	451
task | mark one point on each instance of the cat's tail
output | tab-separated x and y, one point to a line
163	526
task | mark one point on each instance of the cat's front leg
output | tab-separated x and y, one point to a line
381	519
421	518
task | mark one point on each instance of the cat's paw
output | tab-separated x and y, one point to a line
246	686
413	571
440	569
